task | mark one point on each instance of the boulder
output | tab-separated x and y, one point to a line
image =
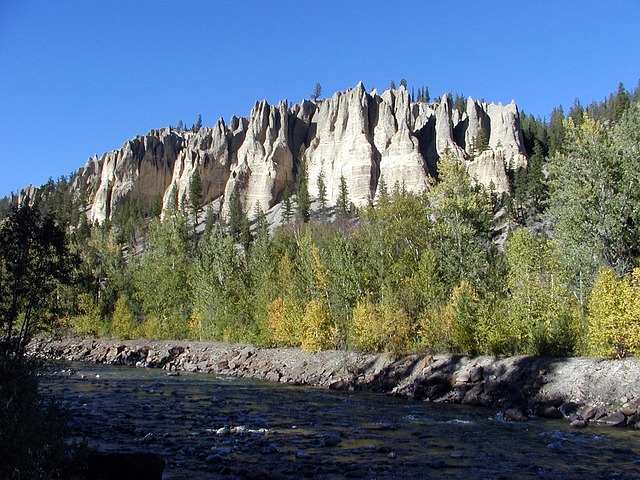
616	419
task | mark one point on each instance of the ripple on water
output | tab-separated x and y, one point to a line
341	433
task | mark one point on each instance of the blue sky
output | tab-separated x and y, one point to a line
82	77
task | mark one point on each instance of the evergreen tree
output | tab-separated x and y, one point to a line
382	191
576	112
622	101
556	130
237	219
343	205
403	83
303	199
287	208
317	91
198	125
195	194
392	85
322	194
210	219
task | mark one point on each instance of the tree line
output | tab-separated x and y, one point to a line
412	272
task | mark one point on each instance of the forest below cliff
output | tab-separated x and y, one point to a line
550	267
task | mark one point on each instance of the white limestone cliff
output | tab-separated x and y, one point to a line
360	136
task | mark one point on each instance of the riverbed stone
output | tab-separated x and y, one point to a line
616	419
476	374
634	420
579	423
549	411
516	414
567	408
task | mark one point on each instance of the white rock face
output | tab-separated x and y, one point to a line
208	152
400	160
264	161
506	135
354	134
342	146
141	169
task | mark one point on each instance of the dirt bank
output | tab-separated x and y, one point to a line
580	389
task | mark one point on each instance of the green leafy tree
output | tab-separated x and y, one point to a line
161	279
460	234
219	281
542	313
34	262
594	197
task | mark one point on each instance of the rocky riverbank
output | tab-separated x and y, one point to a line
583	390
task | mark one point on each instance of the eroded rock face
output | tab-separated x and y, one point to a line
363	137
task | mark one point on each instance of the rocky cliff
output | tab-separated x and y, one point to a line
363	137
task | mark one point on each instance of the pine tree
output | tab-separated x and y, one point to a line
195	194
287	208
236	216
322	194
303	199
556	130
343	205
198	125
317	91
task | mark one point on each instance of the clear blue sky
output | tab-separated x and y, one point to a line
82	77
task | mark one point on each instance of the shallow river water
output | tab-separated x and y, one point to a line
211	427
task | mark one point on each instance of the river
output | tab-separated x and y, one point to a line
216	427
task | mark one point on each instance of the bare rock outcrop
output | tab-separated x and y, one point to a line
359	136
342	146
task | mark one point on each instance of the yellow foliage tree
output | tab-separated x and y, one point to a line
461	314
285	323
614	315
381	327
318	333
123	323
